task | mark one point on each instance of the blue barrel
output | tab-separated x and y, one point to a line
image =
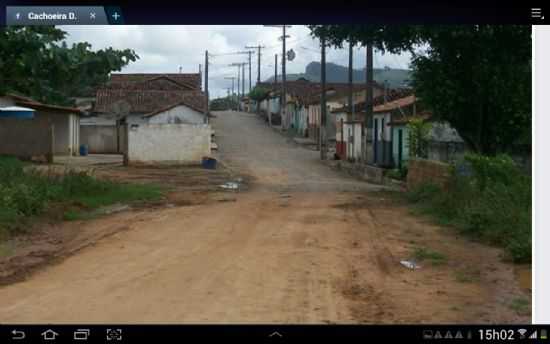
209	163
83	150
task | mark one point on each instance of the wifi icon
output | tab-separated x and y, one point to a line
522	333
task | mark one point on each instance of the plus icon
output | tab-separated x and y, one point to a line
116	15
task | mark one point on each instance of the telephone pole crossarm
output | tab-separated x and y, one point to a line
259	47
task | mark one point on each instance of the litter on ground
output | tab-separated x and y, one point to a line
409	264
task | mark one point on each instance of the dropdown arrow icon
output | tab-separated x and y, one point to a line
276	334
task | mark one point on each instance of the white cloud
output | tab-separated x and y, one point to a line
166	48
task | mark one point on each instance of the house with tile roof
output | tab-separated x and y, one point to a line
302	105
141	98
350	127
389	132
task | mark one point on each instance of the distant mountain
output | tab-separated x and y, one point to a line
337	73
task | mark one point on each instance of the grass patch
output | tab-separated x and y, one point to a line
521	306
426	254
492	204
27	193
117	193
75	215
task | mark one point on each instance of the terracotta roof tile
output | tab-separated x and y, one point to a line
192	79
393	94
193	101
145	101
149	93
395	104
307	92
36	105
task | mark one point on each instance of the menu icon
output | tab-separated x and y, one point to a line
536	12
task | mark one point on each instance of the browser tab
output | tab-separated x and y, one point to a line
55	15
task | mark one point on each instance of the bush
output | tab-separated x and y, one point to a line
422	193
492	203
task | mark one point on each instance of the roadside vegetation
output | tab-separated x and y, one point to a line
26	193
487	198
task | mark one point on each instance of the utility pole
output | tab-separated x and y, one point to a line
350	81
259	47
275	69
206	86
250	71
238	86
323	138
239	65
244	64
369	104
232	78
284	78
239	95
200	73
283	96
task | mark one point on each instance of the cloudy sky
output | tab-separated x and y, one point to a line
163	49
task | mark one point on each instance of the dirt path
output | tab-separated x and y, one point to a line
303	245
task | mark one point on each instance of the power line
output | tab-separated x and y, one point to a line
259	47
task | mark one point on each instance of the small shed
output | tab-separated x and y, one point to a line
30	117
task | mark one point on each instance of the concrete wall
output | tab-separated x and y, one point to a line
136	118
352	139
421	171
75	133
170	143
98	120
26	137
384	132
177	115
101	139
66	130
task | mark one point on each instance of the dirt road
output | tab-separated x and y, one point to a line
302	245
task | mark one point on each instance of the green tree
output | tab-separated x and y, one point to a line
419	131
476	77
223	104
258	94
37	62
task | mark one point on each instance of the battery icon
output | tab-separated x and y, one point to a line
543	334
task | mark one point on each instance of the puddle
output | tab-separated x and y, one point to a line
523	276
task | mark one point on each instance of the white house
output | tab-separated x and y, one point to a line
182	112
